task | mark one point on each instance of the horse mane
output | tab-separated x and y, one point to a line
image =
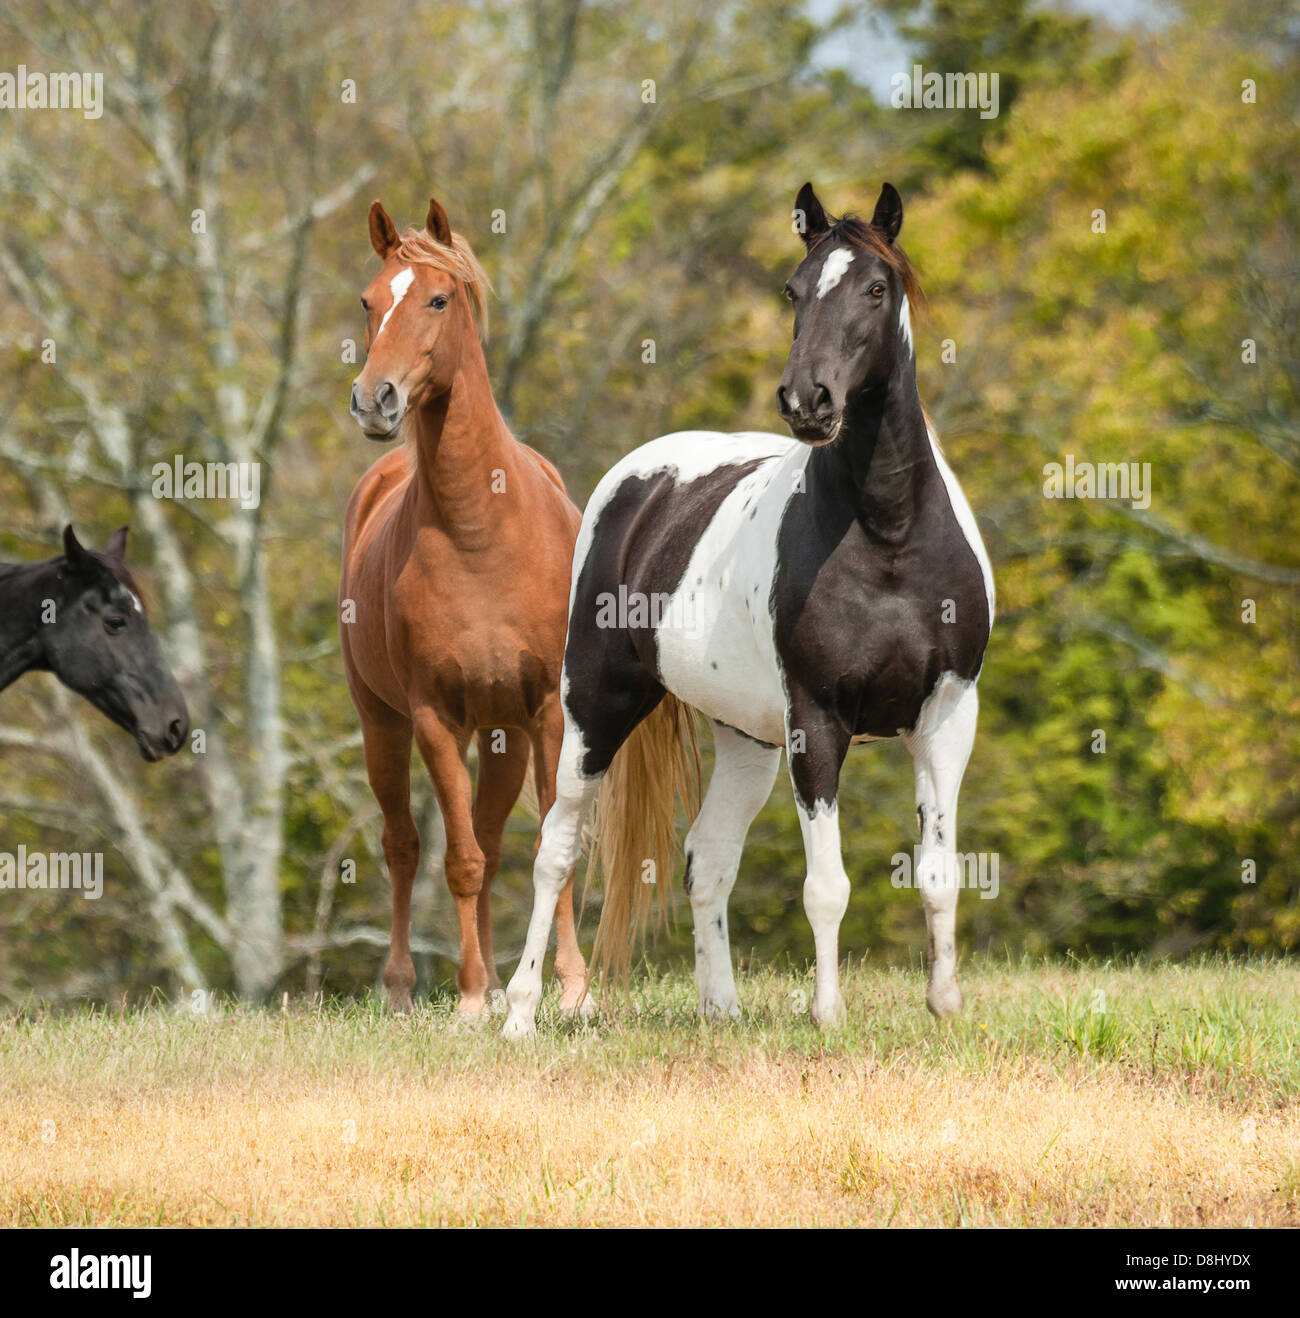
420	247
857	231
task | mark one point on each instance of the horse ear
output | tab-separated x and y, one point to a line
74	552
889	212
437	223
814	217
116	547
383	232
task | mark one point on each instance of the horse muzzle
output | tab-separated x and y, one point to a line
378	411
160	724
812	417
159	745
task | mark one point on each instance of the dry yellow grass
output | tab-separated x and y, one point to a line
344	1116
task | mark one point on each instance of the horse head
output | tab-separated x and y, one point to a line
852	326
97	641
420	309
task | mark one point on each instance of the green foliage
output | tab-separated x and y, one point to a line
1026	44
1118	346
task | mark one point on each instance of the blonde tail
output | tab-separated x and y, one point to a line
635	847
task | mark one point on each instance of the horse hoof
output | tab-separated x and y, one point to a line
944	1000
399	1004
518	1028
720	1011
828	1017
573	1005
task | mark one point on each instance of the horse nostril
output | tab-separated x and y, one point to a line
386	398
354	407
175	732
821	399
781	405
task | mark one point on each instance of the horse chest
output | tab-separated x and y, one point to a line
867	630
482	658
871	660
478	642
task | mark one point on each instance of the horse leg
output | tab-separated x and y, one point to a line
612	707
387	738
616	712
816	745
743	774
570	968
940	746
443	751
500	776
561	845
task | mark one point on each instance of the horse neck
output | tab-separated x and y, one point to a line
22	588
461	444
883	460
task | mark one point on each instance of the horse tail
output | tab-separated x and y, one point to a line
635	841
528	797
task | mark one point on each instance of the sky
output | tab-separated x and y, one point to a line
874	53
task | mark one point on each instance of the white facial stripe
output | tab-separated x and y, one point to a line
401	282
833	269
139	608
905	325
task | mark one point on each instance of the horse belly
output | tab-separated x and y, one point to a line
723	674
716	649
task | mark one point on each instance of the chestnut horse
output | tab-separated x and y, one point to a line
453	594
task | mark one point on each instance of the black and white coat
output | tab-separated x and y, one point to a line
801	593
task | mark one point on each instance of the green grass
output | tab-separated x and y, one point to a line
1214	1025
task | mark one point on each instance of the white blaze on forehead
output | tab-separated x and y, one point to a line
135	600
401	282
905	325
833	268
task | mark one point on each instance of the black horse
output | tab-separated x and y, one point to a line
79	616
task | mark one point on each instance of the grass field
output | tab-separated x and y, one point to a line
1083	1094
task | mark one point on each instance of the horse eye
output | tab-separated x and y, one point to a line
438	303
365	306
789	293
877	290
114	624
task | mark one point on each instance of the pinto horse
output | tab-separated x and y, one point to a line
806	594
453	594
79	616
